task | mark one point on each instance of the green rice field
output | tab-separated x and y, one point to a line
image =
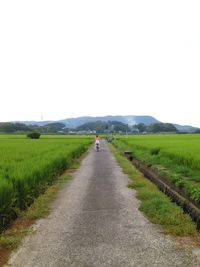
27	166
176	156
184	149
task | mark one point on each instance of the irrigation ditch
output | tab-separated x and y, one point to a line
177	195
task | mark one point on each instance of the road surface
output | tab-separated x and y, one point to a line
96	222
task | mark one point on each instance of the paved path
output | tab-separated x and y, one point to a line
96	222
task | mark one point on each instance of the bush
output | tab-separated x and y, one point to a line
33	135
155	151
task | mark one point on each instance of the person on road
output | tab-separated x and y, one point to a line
97	142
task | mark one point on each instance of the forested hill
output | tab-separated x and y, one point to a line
76	122
104	126
130	120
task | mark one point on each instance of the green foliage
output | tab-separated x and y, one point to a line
34	135
98	126
104	126
161	127
155	151
141	127
156	128
156	205
182	149
178	157
8	127
53	127
194	191
26	168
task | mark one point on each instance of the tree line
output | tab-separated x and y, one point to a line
9	127
98	127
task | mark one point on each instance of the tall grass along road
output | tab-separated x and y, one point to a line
27	167
96	222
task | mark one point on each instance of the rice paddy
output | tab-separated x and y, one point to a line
28	166
176	156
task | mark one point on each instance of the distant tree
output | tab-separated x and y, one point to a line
104	126
8	127
53	127
33	135
141	127
162	128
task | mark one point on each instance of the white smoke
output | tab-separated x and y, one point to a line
131	121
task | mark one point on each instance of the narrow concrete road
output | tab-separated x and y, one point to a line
96	222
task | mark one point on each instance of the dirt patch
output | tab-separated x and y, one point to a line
13	237
4	255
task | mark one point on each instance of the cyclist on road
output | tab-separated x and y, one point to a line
97	142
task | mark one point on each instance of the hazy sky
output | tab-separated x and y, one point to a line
76	58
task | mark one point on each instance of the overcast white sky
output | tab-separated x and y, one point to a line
76	58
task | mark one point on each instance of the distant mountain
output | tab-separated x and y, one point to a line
130	120
38	123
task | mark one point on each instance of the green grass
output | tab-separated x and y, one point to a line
182	149
177	157
154	204
41	208
27	167
12	237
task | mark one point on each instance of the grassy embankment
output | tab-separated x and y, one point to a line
155	204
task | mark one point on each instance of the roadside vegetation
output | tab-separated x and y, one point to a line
28	167
11	238
155	204
175	157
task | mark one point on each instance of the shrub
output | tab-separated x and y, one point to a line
34	135
155	151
